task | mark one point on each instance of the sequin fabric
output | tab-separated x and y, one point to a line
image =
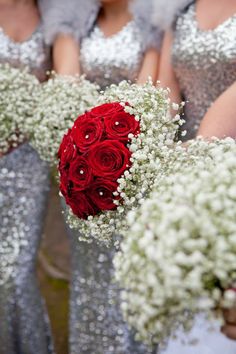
24	186
32	53
107	60
96	323
205	64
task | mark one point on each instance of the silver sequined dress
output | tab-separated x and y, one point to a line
24	186
204	62
112	59
96	324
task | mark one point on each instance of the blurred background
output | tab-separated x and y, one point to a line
54	271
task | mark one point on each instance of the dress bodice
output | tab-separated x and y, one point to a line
32	53
107	60
204	62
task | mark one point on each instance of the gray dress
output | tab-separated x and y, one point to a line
24	186
96	324
204	62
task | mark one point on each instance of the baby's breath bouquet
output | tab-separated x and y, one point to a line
60	100
18	98
178	255
110	158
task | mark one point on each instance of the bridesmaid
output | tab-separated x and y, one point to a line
24	185
112	41
199	65
107	25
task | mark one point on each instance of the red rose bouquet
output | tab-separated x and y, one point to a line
93	156
109	158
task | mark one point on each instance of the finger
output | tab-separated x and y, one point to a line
230	316
229	331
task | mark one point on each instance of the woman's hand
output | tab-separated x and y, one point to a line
229	329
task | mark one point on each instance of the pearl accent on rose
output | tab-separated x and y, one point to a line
117	123
86	136
81	172
101	193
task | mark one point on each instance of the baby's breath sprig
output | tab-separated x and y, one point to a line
18	99
60	101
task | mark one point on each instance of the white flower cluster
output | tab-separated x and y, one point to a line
151	107
18	98
61	100
178	255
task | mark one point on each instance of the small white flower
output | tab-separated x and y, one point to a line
175	106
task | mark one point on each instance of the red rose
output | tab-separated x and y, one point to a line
86	131
101	193
67	150
120	125
80	173
93	155
106	110
109	159
81	205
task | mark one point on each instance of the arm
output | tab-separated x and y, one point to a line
167	76
149	67
220	120
66	55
